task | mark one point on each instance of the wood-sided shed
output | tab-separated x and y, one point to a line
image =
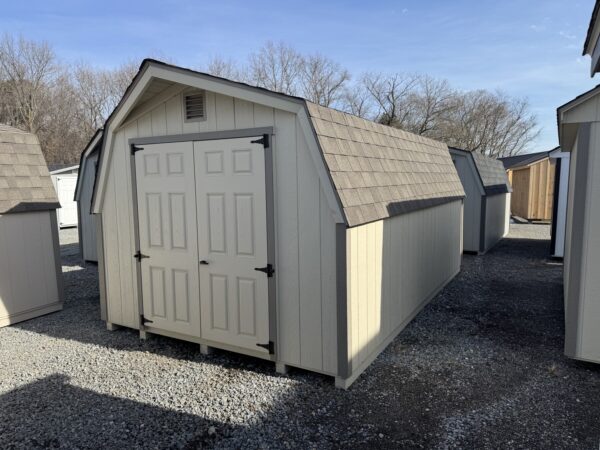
87	228
531	176
30	271
261	223
486	217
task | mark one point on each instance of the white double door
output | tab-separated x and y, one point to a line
203	233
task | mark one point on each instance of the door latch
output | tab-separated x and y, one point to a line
268	269
270	347
139	256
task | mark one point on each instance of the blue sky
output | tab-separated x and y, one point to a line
522	47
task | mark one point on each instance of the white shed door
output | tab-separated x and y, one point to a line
232	238
65	187
168	236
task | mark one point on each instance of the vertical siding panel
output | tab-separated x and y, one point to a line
159	120
111	254
354	269
210	124
286	143
263	116
144	125
174	112
363	294
309	263
244	114
328	288
224	112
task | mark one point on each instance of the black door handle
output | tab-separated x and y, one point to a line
204	262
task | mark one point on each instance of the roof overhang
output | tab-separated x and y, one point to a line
591	47
64	169
573	113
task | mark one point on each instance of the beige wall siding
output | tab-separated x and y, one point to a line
303	226
497	217
28	272
87	223
394	267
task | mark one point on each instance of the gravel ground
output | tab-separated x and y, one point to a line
480	367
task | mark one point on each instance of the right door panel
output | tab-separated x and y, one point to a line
232	241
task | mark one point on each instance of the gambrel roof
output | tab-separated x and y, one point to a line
25	183
375	171
490	171
517	161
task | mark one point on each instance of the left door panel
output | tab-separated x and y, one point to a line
166	201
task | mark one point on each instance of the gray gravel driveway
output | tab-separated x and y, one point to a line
480	367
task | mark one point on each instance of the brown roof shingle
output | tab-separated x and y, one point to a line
380	171
25	183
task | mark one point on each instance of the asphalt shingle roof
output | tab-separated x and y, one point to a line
380	171
511	162
25	183
492	173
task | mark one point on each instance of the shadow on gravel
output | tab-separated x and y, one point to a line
51	413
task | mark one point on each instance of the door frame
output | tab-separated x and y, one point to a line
270	207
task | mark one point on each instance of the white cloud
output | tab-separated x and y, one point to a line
537	28
567	35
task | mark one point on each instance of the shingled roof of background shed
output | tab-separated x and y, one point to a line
492	173
25	183
380	171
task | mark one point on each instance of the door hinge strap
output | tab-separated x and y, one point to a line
268	269
264	141
144	321
135	148
138	255
270	347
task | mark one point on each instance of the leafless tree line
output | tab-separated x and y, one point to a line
64	104
488	122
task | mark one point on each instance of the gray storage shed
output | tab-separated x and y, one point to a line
30	271
88	244
487	201
64	179
260	223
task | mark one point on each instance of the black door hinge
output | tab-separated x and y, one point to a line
270	347
264	141
135	148
143	320
268	269
138	255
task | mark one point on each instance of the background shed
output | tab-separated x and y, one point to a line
87	227
559	207
354	226
30	271
487	202
64	179
532	179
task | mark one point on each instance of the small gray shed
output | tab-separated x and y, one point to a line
261	223
487	201
30	271
87	228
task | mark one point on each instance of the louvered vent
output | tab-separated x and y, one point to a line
194	106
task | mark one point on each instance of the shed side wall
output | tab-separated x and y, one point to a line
497	218
472	204
29	284
395	267
304	227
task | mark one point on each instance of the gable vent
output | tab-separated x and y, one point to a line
194	106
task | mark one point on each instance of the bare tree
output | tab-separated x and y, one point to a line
390	94
490	123
430	101
276	67
357	100
27	69
225	68
322	80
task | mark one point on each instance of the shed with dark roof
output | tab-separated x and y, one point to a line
30	272
531	176
261	223
486	215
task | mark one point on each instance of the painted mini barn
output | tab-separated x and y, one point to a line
30	272
64	179
579	133
486	216
260	223
532	179
87	228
